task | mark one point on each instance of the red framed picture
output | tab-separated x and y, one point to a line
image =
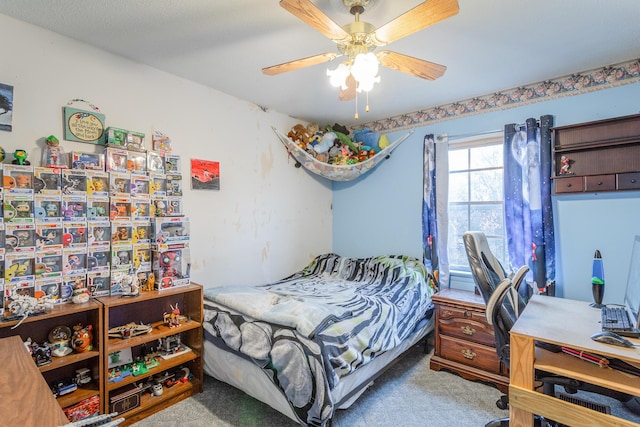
205	175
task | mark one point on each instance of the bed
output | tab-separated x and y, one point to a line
312	342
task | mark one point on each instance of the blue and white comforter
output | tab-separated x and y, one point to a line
321	323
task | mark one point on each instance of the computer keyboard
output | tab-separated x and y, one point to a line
615	319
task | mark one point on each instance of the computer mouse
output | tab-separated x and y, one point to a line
609	337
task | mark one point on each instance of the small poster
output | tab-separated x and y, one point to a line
205	175
6	107
83	126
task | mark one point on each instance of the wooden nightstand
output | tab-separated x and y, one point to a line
464	342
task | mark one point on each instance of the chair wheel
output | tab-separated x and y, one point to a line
503	402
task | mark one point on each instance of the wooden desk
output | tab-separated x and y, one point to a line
568	323
26	397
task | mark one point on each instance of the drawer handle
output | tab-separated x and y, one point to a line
467	313
633	181
568	185
467	330
599	182
468	354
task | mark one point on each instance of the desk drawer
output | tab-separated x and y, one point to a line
629	181
600	183
469	353
574	184
465	324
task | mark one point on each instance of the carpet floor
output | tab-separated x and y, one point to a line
408	394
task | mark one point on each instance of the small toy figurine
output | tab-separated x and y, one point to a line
566	166
53	155
172	318
82	339
41	353
20	157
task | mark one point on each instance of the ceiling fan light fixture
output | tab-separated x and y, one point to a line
338	77
365	69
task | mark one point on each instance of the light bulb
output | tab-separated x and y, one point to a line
338	76
365	66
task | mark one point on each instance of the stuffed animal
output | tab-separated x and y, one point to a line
82	339
327	141
298	133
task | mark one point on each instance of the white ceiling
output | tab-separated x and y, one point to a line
491	45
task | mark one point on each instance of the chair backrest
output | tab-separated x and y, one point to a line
500	293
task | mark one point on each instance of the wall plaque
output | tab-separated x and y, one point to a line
83	126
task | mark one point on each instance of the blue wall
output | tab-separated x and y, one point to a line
380	213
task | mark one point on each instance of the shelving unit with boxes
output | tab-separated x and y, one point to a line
150	308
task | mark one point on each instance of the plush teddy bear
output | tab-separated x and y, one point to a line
299	134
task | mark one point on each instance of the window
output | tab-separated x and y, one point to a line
476	196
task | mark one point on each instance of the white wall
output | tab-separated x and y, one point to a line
381	212
268	220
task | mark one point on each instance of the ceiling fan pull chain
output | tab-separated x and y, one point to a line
356	116
367	108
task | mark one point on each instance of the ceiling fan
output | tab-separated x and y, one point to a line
361	37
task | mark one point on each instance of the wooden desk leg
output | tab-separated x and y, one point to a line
521	374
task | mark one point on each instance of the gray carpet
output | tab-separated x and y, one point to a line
409	394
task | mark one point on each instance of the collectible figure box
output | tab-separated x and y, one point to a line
18	208
140	186
121	232
87	161
120	208
97	183
47	207
74	261
173	206
48	263
161	142
128	398
116	160
155	162
49	235
47	181
75	234
172	164
140	208
121	257
83	409
97	208
174	185
142	256
170	230
20	238
18	267
98	258
72	282
120	184
137	162
99	282
74	182
130	140
2	241
141	232
157	184
74	207
18	179
171	268
51	288
99	233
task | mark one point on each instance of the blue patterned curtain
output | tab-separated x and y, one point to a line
527	192
434	208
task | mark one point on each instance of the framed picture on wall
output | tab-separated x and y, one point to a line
6	107
205	175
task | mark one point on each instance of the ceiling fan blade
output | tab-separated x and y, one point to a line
309	13
299	63
410	65
425	14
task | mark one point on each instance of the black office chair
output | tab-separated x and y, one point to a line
503	307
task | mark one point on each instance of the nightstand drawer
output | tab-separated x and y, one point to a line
472	354
467	325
